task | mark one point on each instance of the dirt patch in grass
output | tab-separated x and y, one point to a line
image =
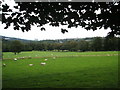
65	56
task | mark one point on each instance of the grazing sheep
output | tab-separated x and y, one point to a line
42	63
15	59
45	59
30	64
54	58
29	57
4	64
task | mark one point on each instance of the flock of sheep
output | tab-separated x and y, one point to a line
42	63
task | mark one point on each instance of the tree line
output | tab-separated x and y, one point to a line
94	44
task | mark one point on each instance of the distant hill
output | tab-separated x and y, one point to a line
46	41
12	38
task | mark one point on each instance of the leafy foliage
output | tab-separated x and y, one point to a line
92	15
16	46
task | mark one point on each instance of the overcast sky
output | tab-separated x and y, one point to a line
50	33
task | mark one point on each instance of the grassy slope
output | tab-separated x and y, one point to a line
62	72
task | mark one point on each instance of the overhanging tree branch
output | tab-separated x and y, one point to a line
73	14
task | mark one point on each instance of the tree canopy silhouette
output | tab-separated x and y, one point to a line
91	16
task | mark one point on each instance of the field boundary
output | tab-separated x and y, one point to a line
64	56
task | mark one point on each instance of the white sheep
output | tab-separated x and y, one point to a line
42	63
30	64
45	59
4	64
15	59
53	57
29	57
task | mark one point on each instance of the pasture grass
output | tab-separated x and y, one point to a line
62	72
53	53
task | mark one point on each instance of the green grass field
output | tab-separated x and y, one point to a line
67	70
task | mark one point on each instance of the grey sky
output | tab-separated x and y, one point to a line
51	33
